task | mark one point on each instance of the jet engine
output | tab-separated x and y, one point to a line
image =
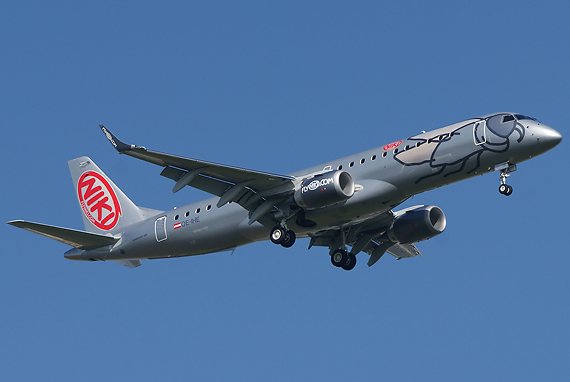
324	189
417	224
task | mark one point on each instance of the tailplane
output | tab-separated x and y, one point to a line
104	207
75	238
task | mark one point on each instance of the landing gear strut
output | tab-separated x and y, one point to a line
504	188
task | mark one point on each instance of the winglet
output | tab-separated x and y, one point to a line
116	142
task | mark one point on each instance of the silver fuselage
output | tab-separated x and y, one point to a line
384	177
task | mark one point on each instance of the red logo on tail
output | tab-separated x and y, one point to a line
98	200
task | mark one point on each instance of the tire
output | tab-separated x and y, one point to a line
503	189
290	238
339	258
509	191
278	235
350	263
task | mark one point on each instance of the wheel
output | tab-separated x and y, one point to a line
290	238
503	189
278	235
339	258
509	191
350	262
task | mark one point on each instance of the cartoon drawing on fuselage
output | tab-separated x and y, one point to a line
348	202
488	134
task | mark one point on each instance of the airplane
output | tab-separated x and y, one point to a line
347	202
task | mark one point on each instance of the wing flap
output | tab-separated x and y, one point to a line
129	263
75	238
400	251
203	183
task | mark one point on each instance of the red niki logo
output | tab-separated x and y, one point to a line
98	200
391	146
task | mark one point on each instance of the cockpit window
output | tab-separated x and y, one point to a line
520	117
508	118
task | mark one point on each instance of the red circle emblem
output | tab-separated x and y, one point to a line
392	146
98	200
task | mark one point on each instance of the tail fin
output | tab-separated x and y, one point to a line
104	207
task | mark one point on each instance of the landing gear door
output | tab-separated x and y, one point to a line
479	135
160	228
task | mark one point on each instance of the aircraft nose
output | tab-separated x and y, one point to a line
547	137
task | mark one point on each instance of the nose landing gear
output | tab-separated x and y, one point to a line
505	189
505	169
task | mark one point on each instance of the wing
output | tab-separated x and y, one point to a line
256	191
368	237
72	237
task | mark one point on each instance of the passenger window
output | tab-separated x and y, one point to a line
340	167
187	213
373	157
176	217
384	154
197	210
362	161
396	151
208	208
351	164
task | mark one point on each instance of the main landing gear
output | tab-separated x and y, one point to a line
340	258
285	237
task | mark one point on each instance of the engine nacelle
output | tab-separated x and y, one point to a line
417	224
325	189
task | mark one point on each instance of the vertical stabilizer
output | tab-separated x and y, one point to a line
104	207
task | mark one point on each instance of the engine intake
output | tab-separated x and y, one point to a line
324	190
417	224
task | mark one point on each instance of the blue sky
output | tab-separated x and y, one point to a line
279	87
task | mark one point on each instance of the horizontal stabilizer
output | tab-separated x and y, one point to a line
75	238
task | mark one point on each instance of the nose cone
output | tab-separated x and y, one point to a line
547	137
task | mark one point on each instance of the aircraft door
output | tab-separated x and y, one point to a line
495	129
160	228
479	135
